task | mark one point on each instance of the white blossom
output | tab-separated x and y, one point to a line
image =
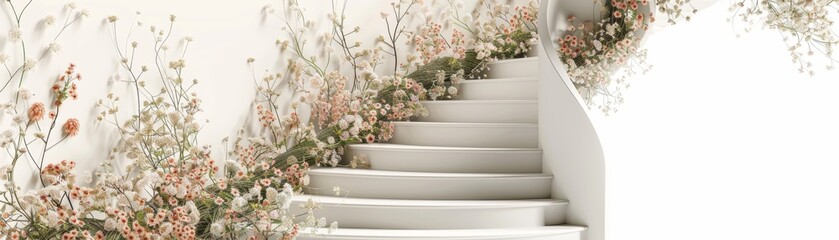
29	64
54	47
239	203
49	20
217	228
166	228
24	94
284	198
15	35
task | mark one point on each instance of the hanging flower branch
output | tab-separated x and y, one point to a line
805	26
602	56
17	68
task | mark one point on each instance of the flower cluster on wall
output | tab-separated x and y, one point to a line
160	182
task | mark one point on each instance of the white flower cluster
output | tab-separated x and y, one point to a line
806	25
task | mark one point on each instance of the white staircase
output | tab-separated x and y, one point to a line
471	170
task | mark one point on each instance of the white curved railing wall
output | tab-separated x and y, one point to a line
571	147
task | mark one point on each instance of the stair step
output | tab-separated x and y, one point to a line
365	183
508	135
513	68
482	111
499	89
437	214
560	232
396	157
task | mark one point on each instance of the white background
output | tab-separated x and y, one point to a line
722	140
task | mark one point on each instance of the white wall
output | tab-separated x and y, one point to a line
226	35
723	140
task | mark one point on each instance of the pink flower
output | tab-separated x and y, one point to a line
71	127
36	112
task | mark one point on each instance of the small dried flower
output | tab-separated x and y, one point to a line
29	64
15	35
36	112
49	20
24	94
178	64
71	127
54	47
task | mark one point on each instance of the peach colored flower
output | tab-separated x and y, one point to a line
71	127
36	112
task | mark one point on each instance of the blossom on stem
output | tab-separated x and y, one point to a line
36	112
71	127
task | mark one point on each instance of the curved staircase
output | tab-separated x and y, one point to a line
471	170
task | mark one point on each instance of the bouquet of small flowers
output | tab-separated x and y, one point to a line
602	56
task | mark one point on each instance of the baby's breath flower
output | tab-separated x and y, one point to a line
54	47
24	94
29	64
49	20
177	64
15	35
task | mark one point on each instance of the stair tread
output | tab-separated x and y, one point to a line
448	233
405	174
406	147
405	203
510	68
512	60
499	80
462	124
479	102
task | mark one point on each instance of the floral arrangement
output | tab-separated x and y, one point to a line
37	127
601	56
159	182
805	26
495	31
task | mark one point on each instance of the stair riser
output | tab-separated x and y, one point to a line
523	67
451	161
388	217
422	188
507	89
482	112
515	136
571	236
